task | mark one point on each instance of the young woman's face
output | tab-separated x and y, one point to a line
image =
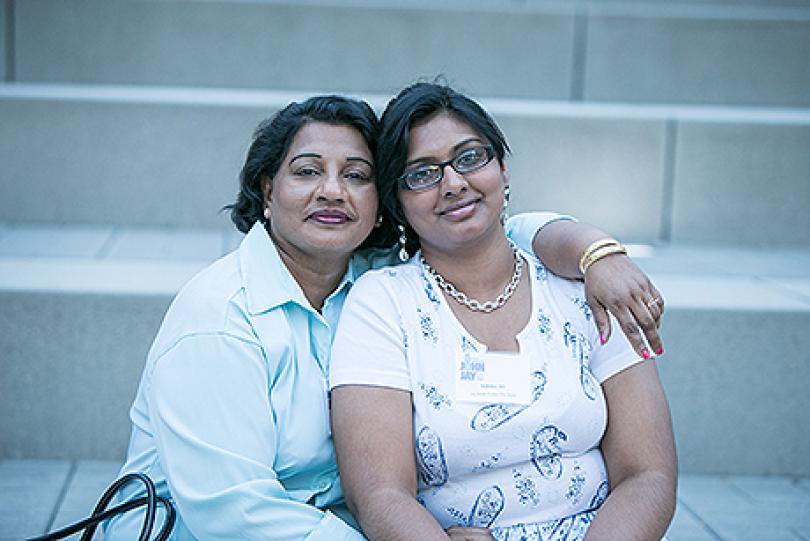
323	200
461	209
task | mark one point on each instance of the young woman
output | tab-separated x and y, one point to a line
470	387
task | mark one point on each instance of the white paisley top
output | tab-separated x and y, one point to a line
524	471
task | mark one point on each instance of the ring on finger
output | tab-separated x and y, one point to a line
653	302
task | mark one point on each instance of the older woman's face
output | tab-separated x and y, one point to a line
322	200
461	209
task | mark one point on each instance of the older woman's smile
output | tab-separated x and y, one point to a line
329	217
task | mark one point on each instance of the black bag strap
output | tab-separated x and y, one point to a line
101	513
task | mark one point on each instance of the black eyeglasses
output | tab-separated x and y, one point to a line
428	175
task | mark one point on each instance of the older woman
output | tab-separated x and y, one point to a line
231	418
470	387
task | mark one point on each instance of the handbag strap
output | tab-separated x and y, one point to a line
101	513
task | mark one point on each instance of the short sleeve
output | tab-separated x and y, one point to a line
522	228
614	356
370	346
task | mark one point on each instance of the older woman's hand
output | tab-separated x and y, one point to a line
457	533
616	284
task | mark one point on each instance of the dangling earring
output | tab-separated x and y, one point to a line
379	221
403	253
505	209
267	213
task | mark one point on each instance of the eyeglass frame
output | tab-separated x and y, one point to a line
403	182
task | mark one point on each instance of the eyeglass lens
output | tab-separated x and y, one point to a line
466	161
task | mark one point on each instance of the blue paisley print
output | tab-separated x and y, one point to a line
435	397
430	291
544	325
580	303
545	449
488	505
600	496
567	529
540	272
588	382
427	327
577	481
526	489
430	457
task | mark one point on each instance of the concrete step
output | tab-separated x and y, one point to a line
709	507
149	156
79	313
746	52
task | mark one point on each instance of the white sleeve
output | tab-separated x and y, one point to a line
614	356
370	345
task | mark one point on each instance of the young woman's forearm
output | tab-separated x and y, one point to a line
390	514
640	508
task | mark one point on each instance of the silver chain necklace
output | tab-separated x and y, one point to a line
473	304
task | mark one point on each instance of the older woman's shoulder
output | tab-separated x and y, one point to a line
213	301
213	285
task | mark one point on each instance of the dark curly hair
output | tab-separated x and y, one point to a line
415	103
272	140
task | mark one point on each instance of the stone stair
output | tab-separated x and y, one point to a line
682	126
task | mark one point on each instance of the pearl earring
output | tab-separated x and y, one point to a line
403	253
505	208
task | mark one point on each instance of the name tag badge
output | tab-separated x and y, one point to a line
493	377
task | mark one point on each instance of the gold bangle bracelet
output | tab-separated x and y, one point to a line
605	251
593	247
602	252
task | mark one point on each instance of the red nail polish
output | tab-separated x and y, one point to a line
660	350
602	338
645	354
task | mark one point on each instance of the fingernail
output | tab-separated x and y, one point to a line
645	354
660	350
602	338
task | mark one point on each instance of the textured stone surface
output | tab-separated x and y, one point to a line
735	384
269	45
606	171
121	163
654	59
71	364
744	183
4	45
30	491
52	241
